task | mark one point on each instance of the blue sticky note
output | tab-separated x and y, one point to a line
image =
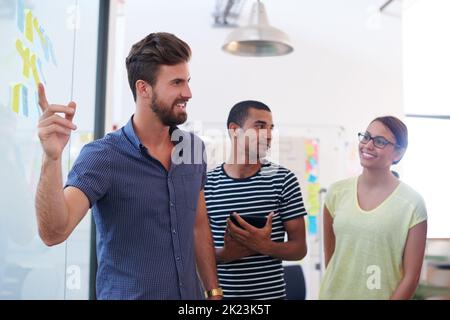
25	101
20	14
45	44
312	178
312	225
52	53
40	70
36	103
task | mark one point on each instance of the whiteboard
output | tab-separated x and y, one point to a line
53	42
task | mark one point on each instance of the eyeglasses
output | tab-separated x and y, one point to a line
379	142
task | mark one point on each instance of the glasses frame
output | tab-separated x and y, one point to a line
363	135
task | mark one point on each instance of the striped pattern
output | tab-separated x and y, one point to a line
273	188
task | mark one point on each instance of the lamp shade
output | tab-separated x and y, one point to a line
258	39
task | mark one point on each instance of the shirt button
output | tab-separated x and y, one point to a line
181	284
177	258
174	231
171	204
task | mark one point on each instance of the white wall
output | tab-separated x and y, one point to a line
426	57
345	70
426	26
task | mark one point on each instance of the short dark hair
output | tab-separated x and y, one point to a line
156	49
398	129
239	112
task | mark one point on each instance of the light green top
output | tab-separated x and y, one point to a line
367	260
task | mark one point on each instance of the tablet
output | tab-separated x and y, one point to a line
256	221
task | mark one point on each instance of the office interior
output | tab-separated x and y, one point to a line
352	61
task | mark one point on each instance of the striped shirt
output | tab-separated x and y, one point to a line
272	189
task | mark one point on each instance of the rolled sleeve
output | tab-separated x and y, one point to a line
90	172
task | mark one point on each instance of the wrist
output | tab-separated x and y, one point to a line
216	292
51	159
221	255
268	248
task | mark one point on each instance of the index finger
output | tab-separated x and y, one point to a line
43	103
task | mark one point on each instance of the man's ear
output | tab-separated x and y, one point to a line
233	129
143	89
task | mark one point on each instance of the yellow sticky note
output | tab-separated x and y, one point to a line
16	97
309	149
29	25
34	69
38	31
313	188
25	55
313	207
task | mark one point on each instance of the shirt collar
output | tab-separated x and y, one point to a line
134	139
131	134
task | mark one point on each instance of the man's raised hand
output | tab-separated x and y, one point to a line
53	129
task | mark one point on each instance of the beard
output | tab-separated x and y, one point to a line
166	114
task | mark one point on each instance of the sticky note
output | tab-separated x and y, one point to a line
46	49
25	101
29	25
15	97
41	71
38	31
309	149
312	225
20	15
35	103
34	69
314	209
313	188
52	53
25	55
308	166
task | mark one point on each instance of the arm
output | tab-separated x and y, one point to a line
259	240
329	239
58	211
204	247
412	262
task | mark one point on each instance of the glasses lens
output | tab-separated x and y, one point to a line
363	137
380	142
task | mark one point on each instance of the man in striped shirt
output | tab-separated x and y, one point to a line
249	259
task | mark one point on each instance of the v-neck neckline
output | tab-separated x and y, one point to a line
381	204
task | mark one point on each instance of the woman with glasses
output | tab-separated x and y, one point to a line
374	224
